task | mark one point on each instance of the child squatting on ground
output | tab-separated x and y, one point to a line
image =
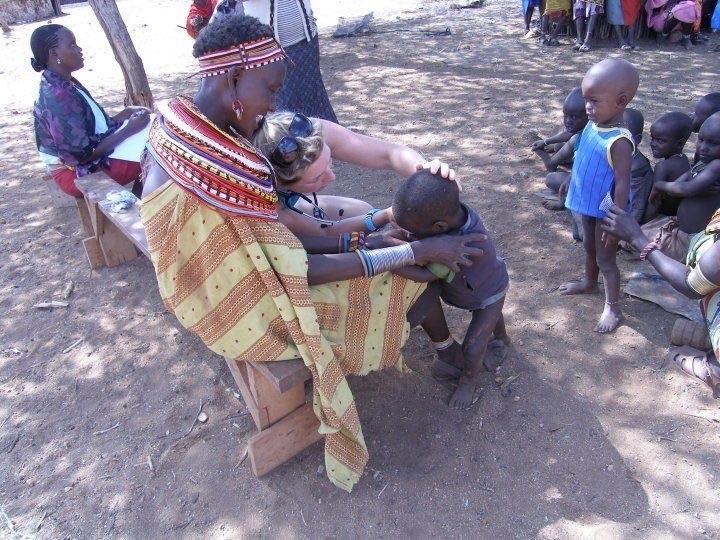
428	205
602	169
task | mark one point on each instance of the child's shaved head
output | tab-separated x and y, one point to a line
635	122
425	200
574	100
674	124
574	115
615	74
707	106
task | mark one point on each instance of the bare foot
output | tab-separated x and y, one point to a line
582	286
464	396
610	319
553	205
449	364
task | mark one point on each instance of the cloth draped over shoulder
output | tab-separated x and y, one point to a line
699	244
236	277
65	124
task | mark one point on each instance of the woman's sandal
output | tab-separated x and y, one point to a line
699	366
584	48
577	46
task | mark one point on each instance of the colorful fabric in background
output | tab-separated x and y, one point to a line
699	244
204	12
240	284
65	130
303	90
686	11
556	9
526	4
715	20
622	12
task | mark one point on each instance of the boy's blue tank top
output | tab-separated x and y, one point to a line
592	173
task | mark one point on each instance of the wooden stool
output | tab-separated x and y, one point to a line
274	393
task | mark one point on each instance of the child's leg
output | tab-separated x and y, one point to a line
590	27
528	17
579	29
556	27
544	29
588	283
606	254
500	332
620	37
450	361
484	321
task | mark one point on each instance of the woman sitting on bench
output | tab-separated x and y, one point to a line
74	134
238	278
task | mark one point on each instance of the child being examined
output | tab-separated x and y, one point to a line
427	205
601	174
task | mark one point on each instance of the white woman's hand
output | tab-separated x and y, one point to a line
436	166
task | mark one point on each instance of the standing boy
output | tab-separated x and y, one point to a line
602	170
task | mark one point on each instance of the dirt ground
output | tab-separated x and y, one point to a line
598	438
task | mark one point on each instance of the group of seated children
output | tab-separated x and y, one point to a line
675	199
599	164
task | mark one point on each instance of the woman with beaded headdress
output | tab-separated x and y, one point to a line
238	278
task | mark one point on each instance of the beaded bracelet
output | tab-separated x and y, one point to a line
369	223
648	249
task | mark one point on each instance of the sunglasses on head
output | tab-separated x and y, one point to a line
287	149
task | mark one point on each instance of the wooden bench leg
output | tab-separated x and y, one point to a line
275	445
85	220
115	247
286	422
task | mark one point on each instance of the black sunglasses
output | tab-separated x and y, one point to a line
287	149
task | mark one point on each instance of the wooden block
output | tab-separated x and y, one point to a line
285	439
239	373
94	253
284	374
116	247
271	404
85	220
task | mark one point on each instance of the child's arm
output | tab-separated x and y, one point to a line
561	157
301	224
621	156
560	137
686	187
416	273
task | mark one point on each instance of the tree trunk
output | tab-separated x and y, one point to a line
136	83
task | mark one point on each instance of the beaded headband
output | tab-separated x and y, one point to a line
249	55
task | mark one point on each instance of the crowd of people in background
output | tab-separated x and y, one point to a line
668	20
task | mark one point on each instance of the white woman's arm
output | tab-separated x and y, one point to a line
373	153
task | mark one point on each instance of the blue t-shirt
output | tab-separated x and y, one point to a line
592	173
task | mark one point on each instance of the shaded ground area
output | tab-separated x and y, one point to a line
595	438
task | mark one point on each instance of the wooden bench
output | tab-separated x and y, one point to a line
274	392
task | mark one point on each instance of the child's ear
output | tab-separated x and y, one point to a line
440	227
623	100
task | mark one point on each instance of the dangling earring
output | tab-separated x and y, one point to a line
238	108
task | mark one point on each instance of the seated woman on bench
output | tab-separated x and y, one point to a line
238	278
74	135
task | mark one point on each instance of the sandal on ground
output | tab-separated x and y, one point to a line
695	363
584	48
625	47
577	46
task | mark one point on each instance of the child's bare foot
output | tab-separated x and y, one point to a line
553	205
465	395
449	364
610	319
582	286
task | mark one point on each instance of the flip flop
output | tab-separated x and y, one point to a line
584	48
625	48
